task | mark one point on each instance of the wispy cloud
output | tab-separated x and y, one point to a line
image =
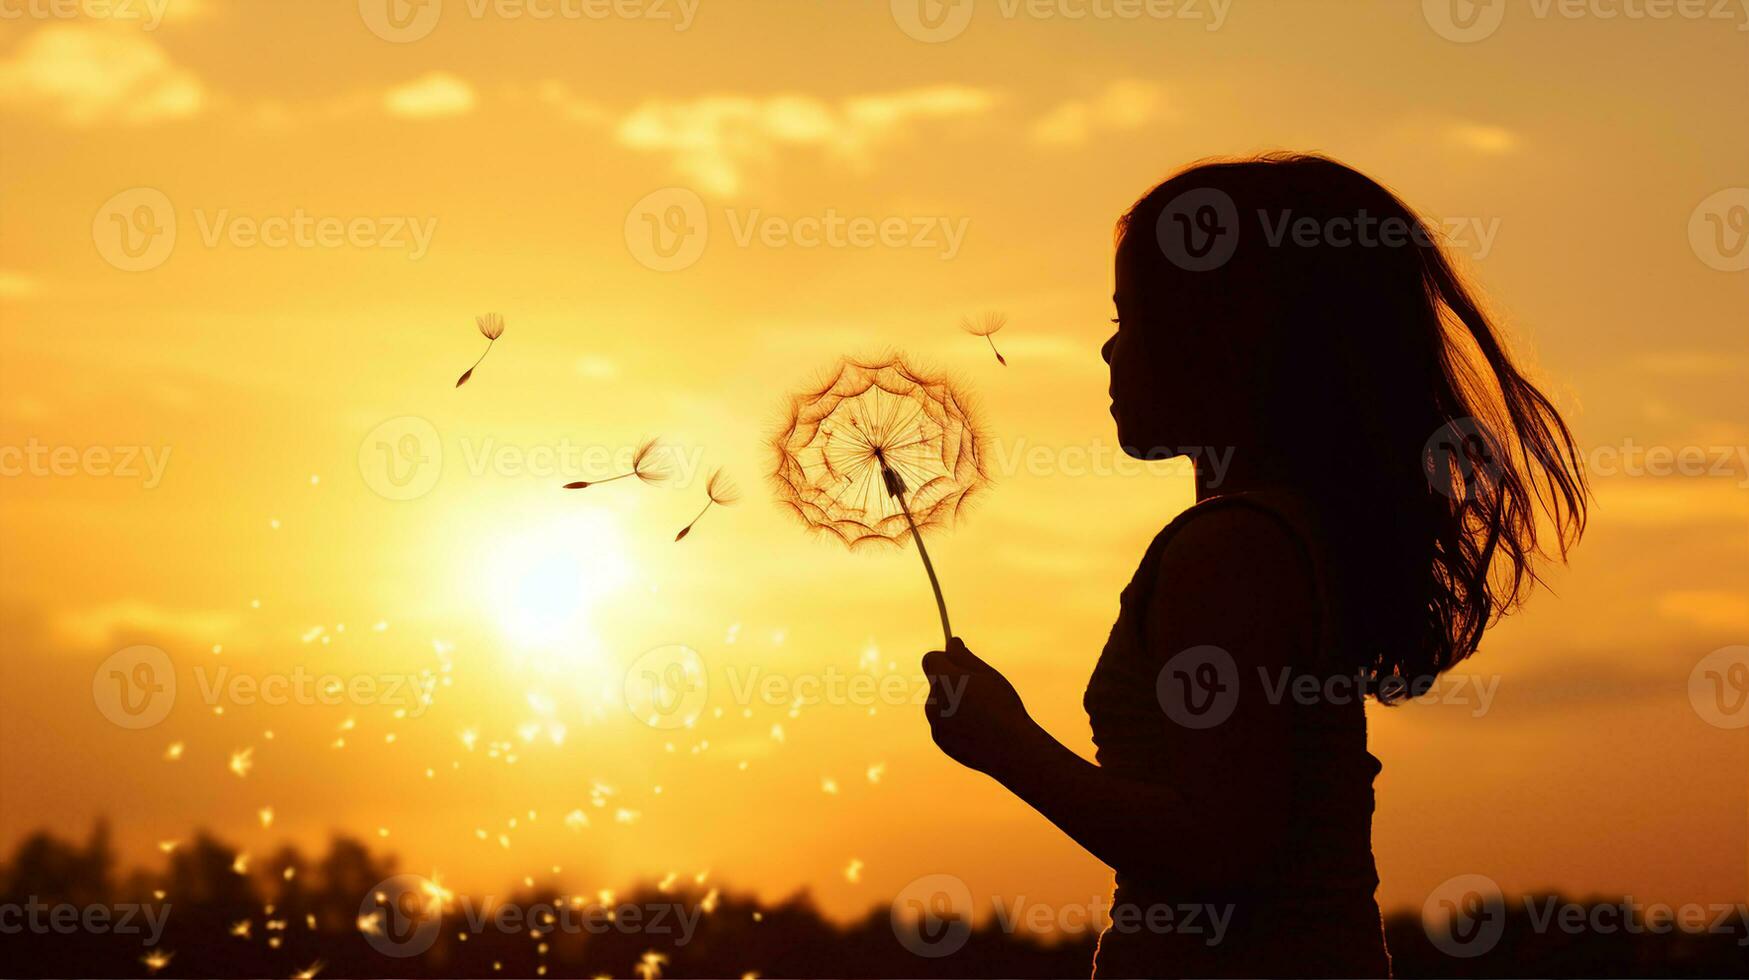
1122	105
432	95
713	139
17	285
86	75
131	617
1706	609
1691	363
1482	138
1672	502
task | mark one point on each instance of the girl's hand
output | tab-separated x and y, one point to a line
974	714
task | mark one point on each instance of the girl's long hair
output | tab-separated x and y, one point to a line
1314	302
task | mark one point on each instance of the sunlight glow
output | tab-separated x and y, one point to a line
545	581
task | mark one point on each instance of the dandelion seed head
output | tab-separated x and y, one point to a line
491	325
984	324
841	439
721	489
647	464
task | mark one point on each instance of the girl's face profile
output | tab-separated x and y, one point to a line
1139	388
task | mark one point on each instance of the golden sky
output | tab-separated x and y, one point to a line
349	190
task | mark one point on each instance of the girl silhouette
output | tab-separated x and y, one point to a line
1395	482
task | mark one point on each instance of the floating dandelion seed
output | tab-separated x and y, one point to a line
647	466
878	453
491	327
985	326
650	966
721	492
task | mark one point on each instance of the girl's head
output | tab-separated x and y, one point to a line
1295	312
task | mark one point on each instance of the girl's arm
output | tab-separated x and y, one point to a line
1233	579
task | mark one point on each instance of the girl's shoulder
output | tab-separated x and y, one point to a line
1263	525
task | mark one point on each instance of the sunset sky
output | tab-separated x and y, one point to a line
490	160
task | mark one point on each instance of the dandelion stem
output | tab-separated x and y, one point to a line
688	528
896	487
999	358
483	354
584	484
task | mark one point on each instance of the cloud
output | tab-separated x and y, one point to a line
1706	609
712	139
1483	139
84	75
1122	105
1691	363
432	95
111	623
1671	502
17	285
597	368
574	108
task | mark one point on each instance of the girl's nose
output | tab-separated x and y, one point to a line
1105	350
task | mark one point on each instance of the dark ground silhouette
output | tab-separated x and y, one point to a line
314	917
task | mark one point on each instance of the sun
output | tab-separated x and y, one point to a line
546	581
